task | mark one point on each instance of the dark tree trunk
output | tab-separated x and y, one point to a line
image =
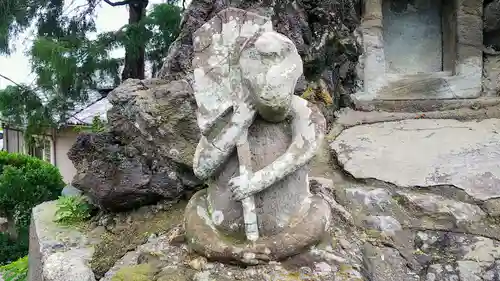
135	53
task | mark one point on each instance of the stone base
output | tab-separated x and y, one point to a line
203	238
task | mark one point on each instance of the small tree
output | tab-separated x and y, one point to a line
70	67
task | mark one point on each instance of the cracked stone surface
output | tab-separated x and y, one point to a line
453	256
425	153
424	192
438	205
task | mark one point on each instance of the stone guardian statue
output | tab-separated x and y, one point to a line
257	139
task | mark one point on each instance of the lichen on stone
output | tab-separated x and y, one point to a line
140	272
318	92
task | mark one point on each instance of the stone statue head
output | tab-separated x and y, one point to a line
270	70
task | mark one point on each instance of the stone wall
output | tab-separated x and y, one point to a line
491	75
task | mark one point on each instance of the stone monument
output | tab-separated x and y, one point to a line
257	139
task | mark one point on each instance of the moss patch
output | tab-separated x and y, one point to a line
290	276
401	200
308	93
126	236
317	92
141	272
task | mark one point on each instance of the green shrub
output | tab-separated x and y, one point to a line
72	209
16	271
11	249
25	182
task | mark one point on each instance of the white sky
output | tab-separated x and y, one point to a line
17	67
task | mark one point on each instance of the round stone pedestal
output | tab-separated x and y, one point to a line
305	229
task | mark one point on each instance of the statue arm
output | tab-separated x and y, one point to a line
307	136
211	154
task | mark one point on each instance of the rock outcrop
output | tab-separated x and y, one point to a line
156	117
147	153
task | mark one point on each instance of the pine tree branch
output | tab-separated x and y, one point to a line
114	4
25	87
12	81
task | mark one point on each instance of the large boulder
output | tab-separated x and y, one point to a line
156	117
147	153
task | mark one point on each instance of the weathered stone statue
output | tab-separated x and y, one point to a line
257	138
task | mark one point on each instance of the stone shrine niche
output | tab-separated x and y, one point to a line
421	49
413	36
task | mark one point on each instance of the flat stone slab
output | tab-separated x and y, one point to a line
425	153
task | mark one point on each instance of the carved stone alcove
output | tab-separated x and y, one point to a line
421	49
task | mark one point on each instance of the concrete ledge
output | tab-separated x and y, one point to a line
57	253
425	105
347	118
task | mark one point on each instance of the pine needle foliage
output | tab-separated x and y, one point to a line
69	66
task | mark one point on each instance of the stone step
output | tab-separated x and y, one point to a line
425	153
437	85
426	105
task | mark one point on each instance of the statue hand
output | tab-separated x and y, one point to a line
255	257
239	187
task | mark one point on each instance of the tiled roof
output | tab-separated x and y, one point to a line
86	115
